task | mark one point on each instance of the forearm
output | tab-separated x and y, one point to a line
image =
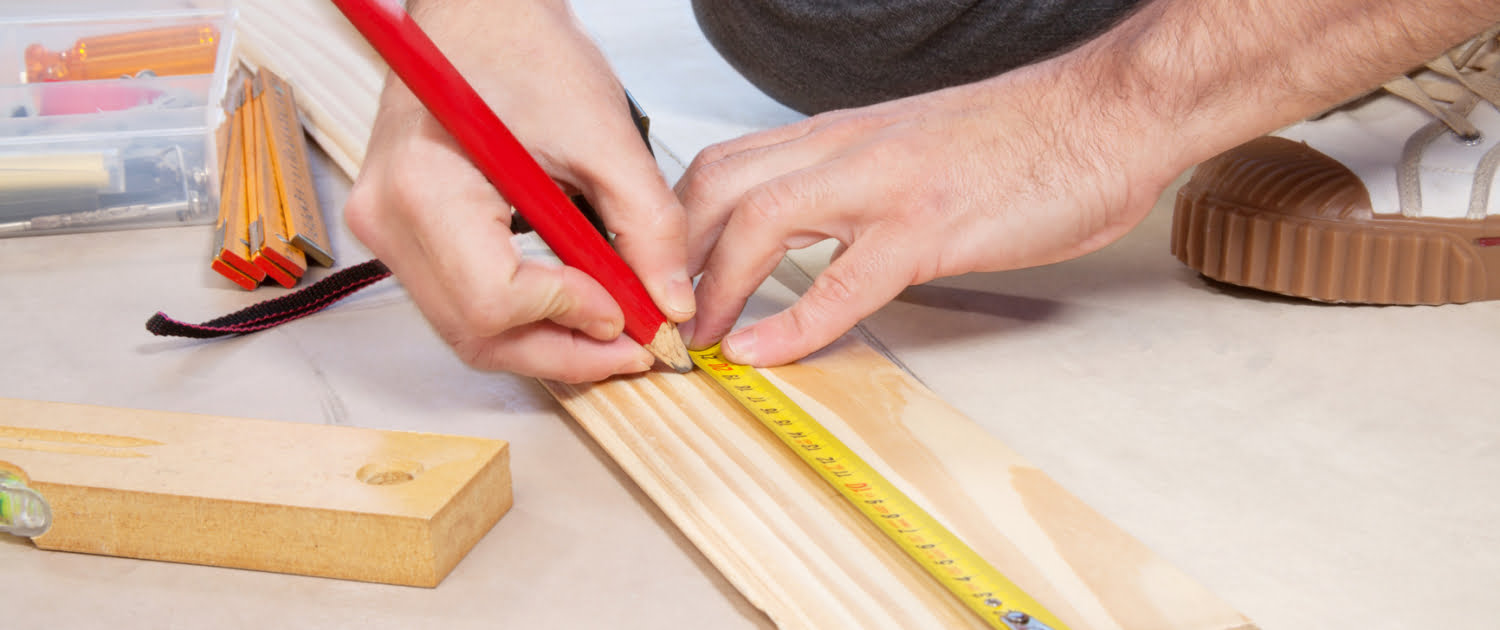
482	37
491	25
1203	76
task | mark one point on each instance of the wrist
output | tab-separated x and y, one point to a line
489	42
1089	119
1146	99
1201	77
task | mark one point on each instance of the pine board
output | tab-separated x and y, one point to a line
335	75
809	560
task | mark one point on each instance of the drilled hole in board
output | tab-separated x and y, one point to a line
388	473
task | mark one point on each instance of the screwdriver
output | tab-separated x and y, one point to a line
164	51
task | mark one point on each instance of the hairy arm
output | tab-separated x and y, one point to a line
1041	164
1216	73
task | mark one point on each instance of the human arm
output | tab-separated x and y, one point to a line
1035	166
444	230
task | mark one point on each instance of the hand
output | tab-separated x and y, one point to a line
1017	171
444	231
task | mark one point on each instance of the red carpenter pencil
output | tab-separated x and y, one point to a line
521	181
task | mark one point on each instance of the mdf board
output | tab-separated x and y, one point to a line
797	550
333	501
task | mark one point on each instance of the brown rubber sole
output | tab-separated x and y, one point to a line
1278	216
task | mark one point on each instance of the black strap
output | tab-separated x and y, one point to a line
269	313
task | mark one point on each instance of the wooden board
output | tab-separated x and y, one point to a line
800	553
336	75
332	501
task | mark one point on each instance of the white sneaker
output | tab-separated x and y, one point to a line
1391	199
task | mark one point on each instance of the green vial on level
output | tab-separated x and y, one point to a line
23	511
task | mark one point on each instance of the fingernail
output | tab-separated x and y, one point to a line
740	346
640	363
680	295
601	329
685	330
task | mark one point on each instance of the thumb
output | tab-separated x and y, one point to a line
649	224
864	278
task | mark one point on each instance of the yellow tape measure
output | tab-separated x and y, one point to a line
942	554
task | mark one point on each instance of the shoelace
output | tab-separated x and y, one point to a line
1456	83
1449	88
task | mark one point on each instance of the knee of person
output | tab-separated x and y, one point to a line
817	55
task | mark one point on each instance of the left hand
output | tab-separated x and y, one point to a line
1025	169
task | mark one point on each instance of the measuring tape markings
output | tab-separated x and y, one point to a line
793	522
981	588
763	508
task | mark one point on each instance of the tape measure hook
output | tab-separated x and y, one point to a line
1018	620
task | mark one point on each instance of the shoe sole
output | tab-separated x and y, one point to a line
1278	216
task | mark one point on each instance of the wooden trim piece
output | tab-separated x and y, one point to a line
332	501
337	76
809	560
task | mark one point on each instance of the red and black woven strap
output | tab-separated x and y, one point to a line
300	303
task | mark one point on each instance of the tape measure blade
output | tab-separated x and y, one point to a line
943	555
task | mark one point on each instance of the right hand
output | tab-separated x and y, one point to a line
443	229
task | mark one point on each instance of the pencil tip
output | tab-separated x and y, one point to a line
667	345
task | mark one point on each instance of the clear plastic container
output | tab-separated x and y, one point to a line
108	111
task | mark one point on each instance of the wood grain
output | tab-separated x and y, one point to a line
332	501
337	76
799	552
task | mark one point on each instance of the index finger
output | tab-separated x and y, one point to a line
792	211
870	273
649	224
